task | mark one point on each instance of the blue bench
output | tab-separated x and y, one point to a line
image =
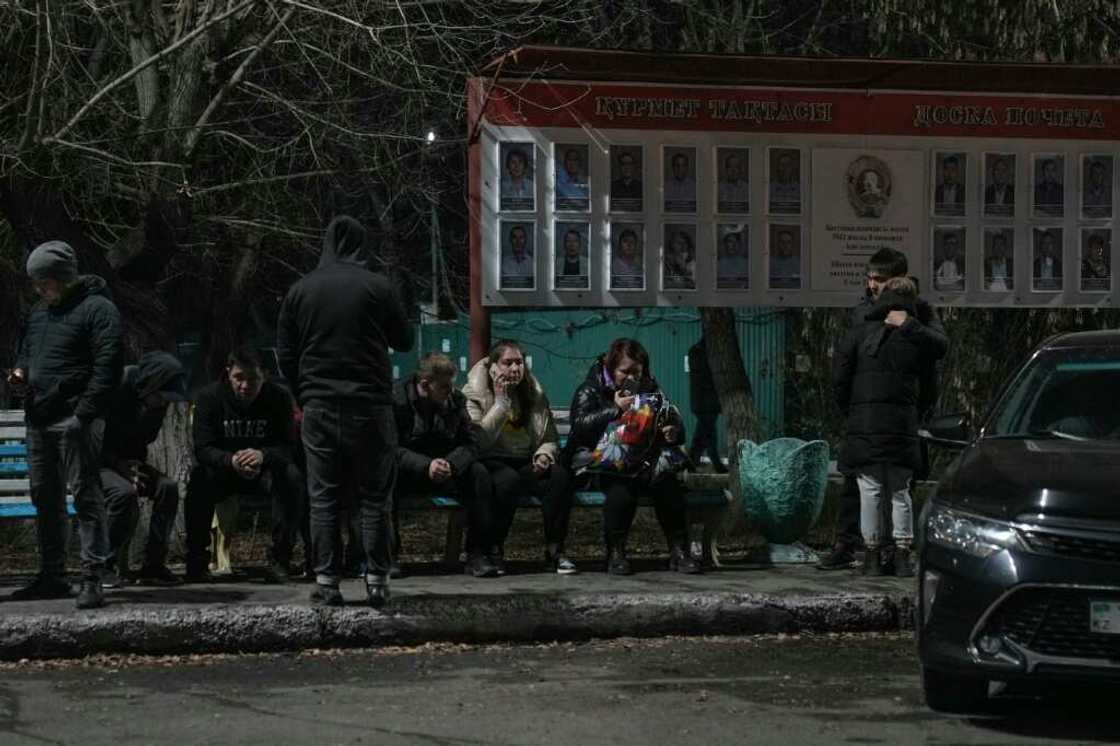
15	486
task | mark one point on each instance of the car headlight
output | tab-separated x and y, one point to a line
978	537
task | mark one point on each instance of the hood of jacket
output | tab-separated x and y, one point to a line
158	371
86	286
344	243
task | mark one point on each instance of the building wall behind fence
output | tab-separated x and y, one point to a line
562	343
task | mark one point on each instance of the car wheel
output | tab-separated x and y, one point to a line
957	694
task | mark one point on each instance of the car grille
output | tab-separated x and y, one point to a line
1054	621
1064	545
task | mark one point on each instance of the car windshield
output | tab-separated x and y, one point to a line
1064	394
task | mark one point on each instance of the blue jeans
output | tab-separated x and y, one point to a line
61	455
350	449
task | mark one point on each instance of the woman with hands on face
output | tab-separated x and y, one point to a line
611	388
520	448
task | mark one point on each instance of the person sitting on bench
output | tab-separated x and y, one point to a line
520	448
243	444
437	448
133	422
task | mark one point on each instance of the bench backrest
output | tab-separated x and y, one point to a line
15	485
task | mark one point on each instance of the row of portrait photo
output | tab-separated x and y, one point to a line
572	183
1090	199
1093	273
576	254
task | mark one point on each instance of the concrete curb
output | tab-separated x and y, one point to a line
516	617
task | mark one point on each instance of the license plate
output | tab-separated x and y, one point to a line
1104	617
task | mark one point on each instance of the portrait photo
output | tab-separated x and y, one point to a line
784	267
949	173
999	185
572	256
1046	259
626	178
517	267
733	256
948	259
517	191
627	260
678	256
1096	260
572	177
678	179
733	185
1048	183
999	259
783	175
1096	187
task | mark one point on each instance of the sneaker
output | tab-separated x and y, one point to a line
682	561
157	575
110	578
90	595
617	564
872	567
198	575
277	573
480	566
378	596
840	558
326	595
42	587
564	566
903	562
498	559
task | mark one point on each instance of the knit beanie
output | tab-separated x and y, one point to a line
53	260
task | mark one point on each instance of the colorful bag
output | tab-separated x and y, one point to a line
632	443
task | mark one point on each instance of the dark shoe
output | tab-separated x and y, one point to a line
871	564
277	574
617	564
110	578
198	575
41	588
840	558
681	560
156	575
326	595
560	565
886	558
903	562
90	595
378	596
480	566
498	559
395	571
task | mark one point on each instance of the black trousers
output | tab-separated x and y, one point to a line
122	509
622	495
512	477
350	450
207	487
472	488
706	438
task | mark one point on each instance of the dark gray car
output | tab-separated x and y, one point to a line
1019	563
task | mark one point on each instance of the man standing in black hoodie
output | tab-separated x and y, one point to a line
244	433
132	424
334	332
70	359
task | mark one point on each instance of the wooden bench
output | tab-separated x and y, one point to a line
15	484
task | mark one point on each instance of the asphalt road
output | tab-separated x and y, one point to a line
837	689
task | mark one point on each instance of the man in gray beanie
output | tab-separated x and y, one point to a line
70	359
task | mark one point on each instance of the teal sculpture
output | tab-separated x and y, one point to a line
784	482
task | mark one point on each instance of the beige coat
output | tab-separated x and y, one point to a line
491	416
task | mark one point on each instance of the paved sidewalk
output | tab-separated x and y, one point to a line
243	614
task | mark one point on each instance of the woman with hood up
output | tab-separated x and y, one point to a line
520	448
612	384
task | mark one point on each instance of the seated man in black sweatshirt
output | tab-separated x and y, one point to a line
437	449
244	435
132	423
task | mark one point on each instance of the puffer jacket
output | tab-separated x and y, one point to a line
71	354
491	418
593	408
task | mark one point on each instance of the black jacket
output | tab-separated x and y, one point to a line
876	380
593	408
130	426
701	388
337	324
222	426
422	436
71	354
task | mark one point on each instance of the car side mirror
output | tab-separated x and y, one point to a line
950	431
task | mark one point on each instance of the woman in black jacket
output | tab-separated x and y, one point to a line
608	391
